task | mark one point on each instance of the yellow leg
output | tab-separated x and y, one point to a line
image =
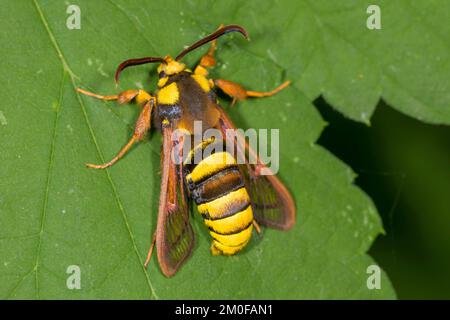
257	227
141	127
238	92
150	251
139	95
260	94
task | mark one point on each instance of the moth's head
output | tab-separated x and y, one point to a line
169	66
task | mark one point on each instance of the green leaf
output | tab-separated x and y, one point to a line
55	213
335	54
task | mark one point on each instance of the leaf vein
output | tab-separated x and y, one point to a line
119	203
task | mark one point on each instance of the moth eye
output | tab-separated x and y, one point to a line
162	74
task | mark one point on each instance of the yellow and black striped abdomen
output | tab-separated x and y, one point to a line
217	187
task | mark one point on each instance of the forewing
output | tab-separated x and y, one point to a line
174	234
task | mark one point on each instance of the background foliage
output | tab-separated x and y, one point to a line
55	213
402	164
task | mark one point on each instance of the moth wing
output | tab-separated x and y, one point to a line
174	235
272	203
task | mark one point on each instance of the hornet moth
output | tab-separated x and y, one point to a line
232	198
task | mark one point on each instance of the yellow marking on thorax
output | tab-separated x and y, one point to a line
216	208
212	164
238	221
169	94
162	81
202	81
201	71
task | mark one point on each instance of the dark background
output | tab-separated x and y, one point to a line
404	166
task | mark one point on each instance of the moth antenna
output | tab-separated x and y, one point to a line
135	62
213	36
